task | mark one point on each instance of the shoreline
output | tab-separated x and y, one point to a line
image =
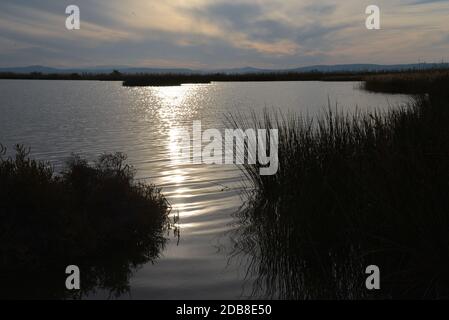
171	79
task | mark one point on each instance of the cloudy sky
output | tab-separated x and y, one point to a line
222	33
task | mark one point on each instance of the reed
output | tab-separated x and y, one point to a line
408	83
351	191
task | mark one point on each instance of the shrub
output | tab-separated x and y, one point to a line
95	216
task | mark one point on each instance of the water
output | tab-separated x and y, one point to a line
57	118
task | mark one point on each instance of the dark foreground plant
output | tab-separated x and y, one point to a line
353	191
95	217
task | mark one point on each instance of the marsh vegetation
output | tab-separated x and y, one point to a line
353	191
93	216
384	81
415	83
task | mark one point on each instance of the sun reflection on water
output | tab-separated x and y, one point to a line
189	188
173	96
177	108
178	103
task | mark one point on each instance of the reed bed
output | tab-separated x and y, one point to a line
352	191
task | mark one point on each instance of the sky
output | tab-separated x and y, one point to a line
212	34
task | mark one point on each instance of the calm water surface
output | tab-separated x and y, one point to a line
57	118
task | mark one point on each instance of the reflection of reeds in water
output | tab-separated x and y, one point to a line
352	191
95	217
291	266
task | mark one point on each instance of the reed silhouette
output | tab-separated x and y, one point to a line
352	191
408	83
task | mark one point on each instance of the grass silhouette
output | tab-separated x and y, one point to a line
352	191
408	83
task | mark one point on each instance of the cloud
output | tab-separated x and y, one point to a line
427	1
321	9
219	33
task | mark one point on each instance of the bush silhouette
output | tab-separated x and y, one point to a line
92	216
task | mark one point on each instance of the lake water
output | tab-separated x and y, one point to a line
57	118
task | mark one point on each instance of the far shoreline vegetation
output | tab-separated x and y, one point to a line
176	79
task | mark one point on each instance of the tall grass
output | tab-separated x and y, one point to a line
95	217
351	191
408	83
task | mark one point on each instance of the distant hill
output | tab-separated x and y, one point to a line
239	70
316	68
93	70
30	69
370	67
